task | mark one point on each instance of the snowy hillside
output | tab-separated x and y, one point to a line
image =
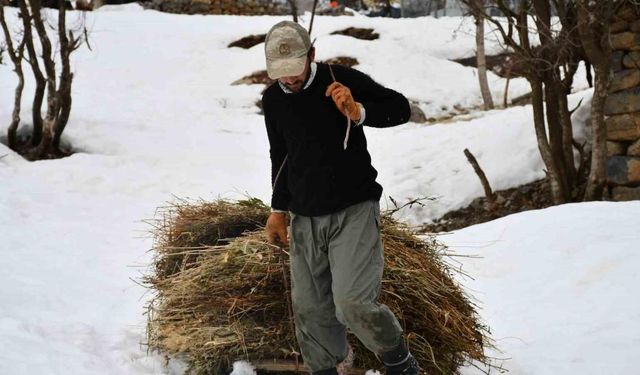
155	117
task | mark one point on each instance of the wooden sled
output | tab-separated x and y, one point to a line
279	365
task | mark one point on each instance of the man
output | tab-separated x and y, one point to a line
322	175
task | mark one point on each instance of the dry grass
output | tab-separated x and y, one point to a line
220	292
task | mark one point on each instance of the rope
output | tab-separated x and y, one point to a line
287	293
275	180
346	137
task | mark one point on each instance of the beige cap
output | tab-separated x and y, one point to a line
285	48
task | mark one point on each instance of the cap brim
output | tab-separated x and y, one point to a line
285	67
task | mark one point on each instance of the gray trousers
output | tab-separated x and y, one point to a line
336	272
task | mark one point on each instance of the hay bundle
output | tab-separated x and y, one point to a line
220	299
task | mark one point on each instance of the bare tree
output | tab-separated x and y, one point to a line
47	131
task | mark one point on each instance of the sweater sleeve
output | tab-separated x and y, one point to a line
281	196
384	107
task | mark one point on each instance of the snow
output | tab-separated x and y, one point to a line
557	287
155	117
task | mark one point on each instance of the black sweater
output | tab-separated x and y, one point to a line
319	176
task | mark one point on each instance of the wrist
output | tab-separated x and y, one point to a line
361	113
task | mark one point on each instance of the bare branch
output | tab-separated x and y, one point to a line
491	199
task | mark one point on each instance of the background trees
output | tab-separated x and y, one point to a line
551	49
47	55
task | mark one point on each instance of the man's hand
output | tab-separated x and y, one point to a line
341	95
277	228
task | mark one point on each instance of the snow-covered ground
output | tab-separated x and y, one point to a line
155	116
557	287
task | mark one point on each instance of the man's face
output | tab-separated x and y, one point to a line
296	83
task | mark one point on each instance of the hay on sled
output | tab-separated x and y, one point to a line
220	294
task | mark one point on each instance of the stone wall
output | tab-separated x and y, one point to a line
623	107
235	7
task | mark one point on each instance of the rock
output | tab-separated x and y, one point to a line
417	115
623	127
624	193
625	79
631	60
634	149
635	27
626	41
476	204
616	148
617	61
623	102
623	170
199	7
343	60
259	77
619	26
248	41
358	33
630	12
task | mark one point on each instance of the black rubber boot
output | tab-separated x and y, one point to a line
399	361
329	371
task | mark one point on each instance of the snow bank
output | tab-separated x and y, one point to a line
557	287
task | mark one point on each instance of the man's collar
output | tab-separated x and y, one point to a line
312	75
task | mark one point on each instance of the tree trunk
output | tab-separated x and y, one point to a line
567	142
506	93
66	77
598	172
52	95
555	133
38	97
594	33
543	144
482	61
15	54
12	132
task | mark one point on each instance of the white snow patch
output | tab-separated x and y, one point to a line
557	287
243	368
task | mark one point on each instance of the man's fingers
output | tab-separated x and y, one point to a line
332	87
335	93
271	238
282	234
342	95
341	91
